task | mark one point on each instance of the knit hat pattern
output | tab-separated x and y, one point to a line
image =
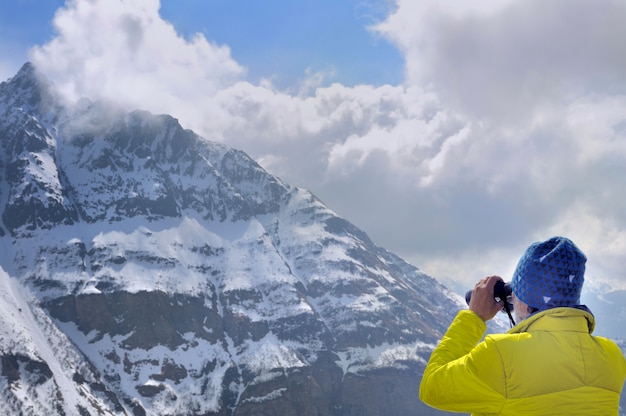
550	274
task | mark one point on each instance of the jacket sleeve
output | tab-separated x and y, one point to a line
464	374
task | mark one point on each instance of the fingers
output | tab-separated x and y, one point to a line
482	301
488	282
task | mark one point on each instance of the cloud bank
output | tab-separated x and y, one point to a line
510	126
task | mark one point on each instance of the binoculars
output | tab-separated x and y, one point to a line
501	293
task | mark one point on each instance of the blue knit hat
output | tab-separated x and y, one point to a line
550	274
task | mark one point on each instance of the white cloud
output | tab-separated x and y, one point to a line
503	59
510	127
123	50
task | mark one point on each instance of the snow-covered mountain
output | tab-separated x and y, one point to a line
148	271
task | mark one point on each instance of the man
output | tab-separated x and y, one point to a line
548	364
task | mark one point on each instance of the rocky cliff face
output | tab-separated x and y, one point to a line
149	271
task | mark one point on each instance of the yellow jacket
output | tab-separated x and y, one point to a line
549	364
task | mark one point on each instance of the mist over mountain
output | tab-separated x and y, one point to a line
146	270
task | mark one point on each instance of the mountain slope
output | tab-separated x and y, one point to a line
41	371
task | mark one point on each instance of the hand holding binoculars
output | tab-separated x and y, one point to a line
501	293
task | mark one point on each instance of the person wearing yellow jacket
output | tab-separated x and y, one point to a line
547	364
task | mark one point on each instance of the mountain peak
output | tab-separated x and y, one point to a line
32	92
27	70
27	78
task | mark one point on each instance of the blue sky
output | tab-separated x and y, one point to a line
284	37
455	133
24	23
278	39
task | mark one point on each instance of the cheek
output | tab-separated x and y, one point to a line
520	309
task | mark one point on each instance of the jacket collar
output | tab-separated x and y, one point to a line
576	319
